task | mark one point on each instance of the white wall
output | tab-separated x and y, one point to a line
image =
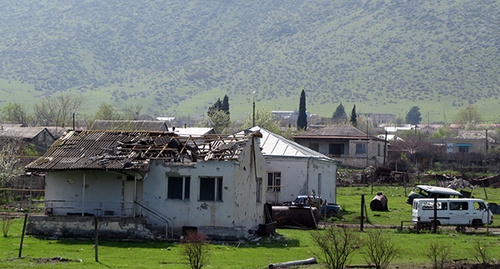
238	208
299	176
64	192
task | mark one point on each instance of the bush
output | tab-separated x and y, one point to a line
380	249
481	252
6	226
337	245
196	249
439	254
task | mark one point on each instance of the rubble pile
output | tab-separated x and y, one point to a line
458	184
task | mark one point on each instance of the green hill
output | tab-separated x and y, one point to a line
178	57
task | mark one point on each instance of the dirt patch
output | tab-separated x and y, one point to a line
53	260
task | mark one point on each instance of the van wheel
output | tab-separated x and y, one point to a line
476	223
460	229
437	223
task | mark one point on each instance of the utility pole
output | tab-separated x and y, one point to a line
253	114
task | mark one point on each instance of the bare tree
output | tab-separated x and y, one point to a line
58	110
380	250
337	245
438	253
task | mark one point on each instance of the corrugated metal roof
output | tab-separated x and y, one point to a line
21	132
112	150
276	145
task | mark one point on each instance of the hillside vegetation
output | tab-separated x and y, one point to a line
178	57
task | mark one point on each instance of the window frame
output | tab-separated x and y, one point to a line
185	186
210	189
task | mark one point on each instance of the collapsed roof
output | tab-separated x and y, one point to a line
123	150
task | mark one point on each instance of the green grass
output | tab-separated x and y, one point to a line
288	245
349	199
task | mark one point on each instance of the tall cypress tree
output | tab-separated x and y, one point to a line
354	120
339	115
225	104
302	119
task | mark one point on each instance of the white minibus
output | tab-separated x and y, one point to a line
461	212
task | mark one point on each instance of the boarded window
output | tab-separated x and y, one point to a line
178	187
210	189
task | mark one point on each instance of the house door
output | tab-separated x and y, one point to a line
129	191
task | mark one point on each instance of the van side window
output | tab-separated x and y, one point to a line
479	206
459	205
430	205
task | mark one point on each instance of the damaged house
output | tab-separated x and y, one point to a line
136	182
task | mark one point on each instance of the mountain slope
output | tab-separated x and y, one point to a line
178	57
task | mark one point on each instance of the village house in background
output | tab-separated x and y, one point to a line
294	170
41	137
134	180
287	118
353	147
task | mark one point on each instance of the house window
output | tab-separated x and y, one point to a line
360	148
463	149
210	189
258	192
336	149
178	188
274	181
314	146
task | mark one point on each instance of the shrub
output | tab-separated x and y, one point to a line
337	245
380	249
439	254
481	252
196	249
6	226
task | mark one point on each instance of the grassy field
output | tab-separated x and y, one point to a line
287	245
349	199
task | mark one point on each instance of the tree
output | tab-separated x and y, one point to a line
107	112
225	104
264	119
339	115
219	120
219	105
354	120
10	166
132	112
468	115
58	110
16	113
302	119
413	117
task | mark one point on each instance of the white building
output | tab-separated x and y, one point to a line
293	170
179	184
